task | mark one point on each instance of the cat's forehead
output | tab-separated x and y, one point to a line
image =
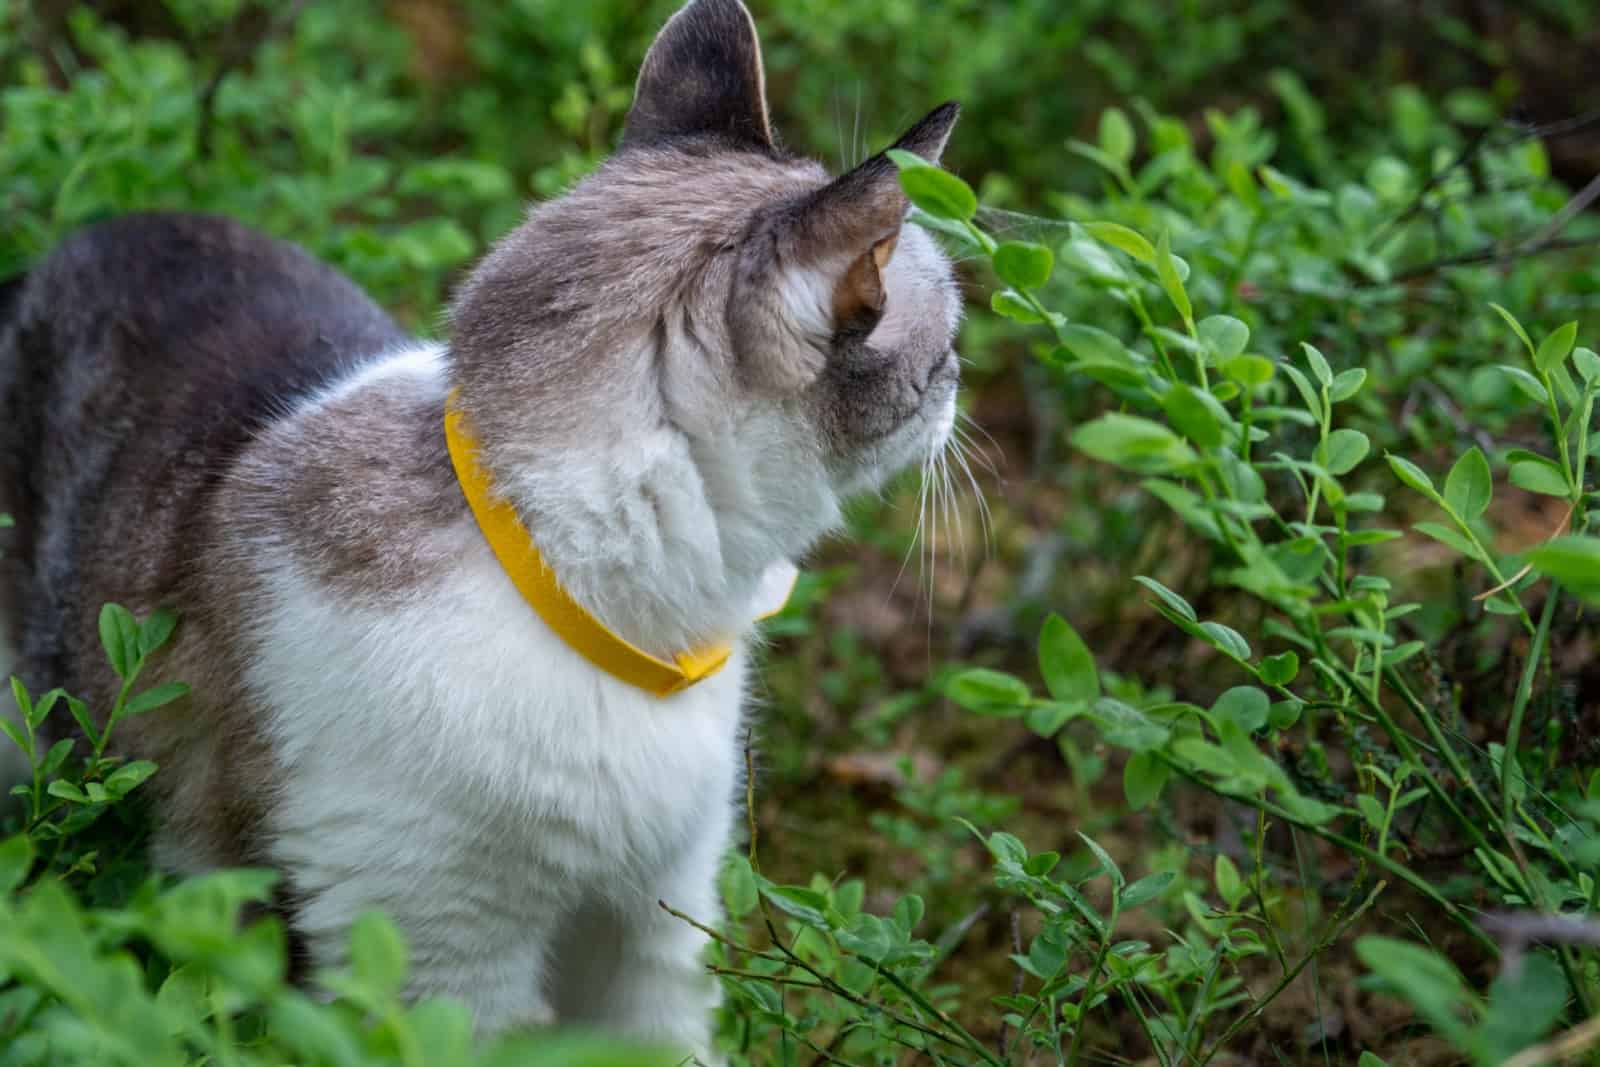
710	181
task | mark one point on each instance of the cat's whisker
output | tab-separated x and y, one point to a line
948	480
978	455
985	519
855	133
916	533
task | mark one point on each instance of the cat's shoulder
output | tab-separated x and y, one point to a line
353	487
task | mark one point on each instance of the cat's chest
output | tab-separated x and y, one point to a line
458	716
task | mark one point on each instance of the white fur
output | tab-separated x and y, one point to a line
517	812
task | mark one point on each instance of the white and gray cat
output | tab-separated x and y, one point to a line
675	373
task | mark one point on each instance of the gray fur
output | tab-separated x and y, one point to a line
702	285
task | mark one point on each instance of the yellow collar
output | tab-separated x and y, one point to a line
513	546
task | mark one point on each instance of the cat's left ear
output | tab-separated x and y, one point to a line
703	77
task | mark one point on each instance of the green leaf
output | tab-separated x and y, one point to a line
1574	561
1227	639
988	692
1191	413
1447	536
378	953
156	630
1371	810
1412	475
1525	382
1280	669
116	629
933	189
1173	601
1347	384
908	912
1023	265
51	764
1143	777
1249	370
1123	239
1167	271
1308	395
1319	365
126	778
1230	886
1516	327
16	860
807	905
1523	1006
1146	889
1469	487
155	697
1066	663
1588	364
67	791
1245	706
739	892
1009	303
1132	442
42	707
1116	135
1555	348
1423	977
80	714
1540	475
1224	335
1106	862
1094	345
1344	451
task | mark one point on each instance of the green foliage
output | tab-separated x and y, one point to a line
103	963
1286	428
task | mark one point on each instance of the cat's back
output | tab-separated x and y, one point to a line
136	362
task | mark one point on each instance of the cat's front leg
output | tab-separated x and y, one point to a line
479	932
637	970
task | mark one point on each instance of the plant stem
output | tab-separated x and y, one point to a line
1290	975
1405	874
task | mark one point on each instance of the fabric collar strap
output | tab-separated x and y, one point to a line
519	557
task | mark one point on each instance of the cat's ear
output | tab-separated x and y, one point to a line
815	268
853	223
702	77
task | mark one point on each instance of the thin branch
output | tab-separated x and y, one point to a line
1497	253
238	44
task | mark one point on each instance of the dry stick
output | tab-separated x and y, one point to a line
1579	1039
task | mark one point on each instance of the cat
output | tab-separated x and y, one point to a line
663	384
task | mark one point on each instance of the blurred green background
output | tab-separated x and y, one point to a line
397	138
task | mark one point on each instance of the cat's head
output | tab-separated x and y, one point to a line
707	296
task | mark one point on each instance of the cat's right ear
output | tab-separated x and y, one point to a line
850	227
703	77
816	267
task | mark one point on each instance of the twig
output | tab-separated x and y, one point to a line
1492	254
1004	1040
237	45
1579	1039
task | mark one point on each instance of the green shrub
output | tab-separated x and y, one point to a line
1259	350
